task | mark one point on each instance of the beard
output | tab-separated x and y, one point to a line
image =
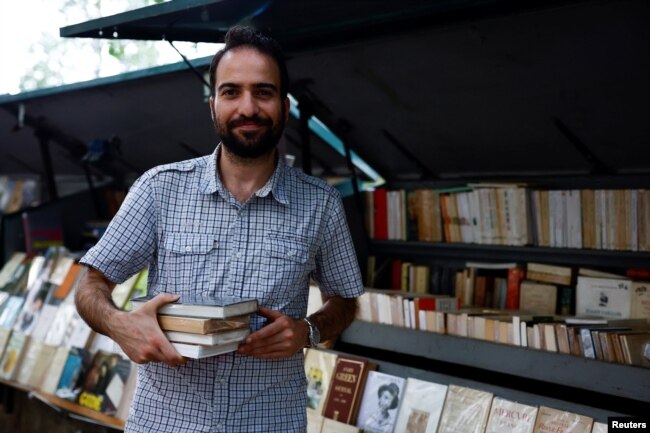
250	145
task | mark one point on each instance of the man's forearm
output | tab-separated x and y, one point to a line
94	302
335	316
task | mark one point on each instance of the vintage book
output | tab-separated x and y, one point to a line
122	292
551	420
33	351
635	348
553	274
539	298
510	417
515	277
465	410
103	384
333	426
201	325
606	297
5	334
208	339
319	369
314	421
139	288
203	305
74	370
13	355
10	267
421	406
380	402
640	301
40	369
599	427
346	388
197	351
122	411
54	371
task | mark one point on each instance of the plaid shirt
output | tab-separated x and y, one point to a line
180	220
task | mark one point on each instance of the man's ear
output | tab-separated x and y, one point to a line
211	102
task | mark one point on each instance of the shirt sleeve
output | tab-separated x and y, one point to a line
129	243
337	269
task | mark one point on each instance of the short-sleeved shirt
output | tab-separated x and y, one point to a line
181	222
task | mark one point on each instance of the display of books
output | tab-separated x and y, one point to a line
203	305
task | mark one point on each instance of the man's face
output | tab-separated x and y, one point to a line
248	112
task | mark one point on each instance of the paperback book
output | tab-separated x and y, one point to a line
203	305
380	402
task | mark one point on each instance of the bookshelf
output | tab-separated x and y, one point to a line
475	252
586	386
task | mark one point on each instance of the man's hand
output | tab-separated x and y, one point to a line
139	335
282	337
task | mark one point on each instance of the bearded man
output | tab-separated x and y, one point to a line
236	223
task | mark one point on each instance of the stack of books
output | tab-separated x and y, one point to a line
204	325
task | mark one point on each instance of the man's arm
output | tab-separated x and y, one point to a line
284	336
137	332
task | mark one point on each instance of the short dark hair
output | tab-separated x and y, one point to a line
243	36
393	390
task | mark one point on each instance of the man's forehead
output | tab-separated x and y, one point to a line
249	60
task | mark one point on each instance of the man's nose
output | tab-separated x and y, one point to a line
248	105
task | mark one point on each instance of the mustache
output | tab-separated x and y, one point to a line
257	120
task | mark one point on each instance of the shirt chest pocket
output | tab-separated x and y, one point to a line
186	262
287	265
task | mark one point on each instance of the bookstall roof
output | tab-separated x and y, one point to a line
419	89
157	115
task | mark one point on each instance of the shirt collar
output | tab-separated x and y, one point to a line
276	185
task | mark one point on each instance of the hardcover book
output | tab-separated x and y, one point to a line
551	420
319	369
421	406
201	325
203	305
346	388
380	402
510	417
465	411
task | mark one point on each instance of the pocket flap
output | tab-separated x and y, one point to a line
190	243
287	248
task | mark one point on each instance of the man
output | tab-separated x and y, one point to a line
238	223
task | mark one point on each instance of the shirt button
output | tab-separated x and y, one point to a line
188	248
291	253
220	427
239	255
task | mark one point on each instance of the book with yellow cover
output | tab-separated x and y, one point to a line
510	417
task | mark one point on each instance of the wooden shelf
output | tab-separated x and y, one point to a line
476	252
83	412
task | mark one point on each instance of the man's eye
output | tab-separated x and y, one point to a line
228	92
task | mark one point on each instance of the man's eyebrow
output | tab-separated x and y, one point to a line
266	86
228	84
